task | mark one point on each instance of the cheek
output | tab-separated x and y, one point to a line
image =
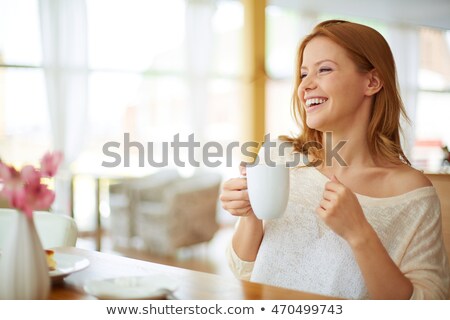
342	89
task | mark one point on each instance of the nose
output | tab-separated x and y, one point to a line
308	83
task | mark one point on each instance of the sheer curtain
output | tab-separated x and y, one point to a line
64	43
404	42
199	39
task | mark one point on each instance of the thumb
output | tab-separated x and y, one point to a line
243	168
335	179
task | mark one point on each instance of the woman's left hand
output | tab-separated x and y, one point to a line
341	211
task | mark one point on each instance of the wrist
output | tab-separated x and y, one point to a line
251	224
363	239
251	219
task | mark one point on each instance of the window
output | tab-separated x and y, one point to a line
149	75
24	123
433	101
280	65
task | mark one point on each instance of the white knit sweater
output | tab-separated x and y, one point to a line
299	251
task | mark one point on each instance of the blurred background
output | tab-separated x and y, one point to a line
76	74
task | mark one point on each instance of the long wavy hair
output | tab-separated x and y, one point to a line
368	50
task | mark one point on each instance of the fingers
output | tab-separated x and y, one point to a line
232	200
334	187
234	197
243	212
335	179
331	186
243	170
330	195
325	204
235	205
235	184
228	195
237	208
321	212
328	201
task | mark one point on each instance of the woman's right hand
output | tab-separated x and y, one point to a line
249	231
234	196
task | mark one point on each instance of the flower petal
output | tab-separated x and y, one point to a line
50	163
30	175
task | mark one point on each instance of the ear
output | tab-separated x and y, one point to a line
374	83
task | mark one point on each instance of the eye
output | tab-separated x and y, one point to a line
324	69
303	75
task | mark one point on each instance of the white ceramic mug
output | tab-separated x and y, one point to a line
268	190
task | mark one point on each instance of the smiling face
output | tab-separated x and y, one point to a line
332	91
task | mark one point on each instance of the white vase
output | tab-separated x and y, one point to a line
23	265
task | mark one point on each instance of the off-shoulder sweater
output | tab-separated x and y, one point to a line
299	251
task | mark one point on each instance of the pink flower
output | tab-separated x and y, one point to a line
50	163
24	189
30	175
32	198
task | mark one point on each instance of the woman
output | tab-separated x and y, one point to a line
365	227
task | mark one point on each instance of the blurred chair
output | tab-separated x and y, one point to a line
55	230
442	184
125	194
183	215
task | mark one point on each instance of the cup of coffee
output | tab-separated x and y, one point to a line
268	190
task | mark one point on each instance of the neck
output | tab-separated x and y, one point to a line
346	144
346	150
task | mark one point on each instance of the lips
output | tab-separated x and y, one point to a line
313	102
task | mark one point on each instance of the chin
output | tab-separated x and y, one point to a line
316	125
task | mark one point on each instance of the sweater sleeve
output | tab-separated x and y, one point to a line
240	268
425	262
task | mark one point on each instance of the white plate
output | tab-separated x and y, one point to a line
67	264
147	287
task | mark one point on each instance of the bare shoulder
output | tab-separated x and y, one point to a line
406	178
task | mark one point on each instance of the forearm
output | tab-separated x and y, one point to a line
247	237
383	278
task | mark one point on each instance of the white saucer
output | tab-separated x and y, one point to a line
146	287
67	264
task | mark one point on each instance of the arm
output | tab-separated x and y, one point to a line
425	261
242	250
244	247
247	237
342	212
249	231
383	278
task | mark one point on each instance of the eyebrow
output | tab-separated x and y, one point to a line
319	62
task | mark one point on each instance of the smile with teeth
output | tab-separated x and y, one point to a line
315	102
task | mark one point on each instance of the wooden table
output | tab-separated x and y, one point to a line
193	285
